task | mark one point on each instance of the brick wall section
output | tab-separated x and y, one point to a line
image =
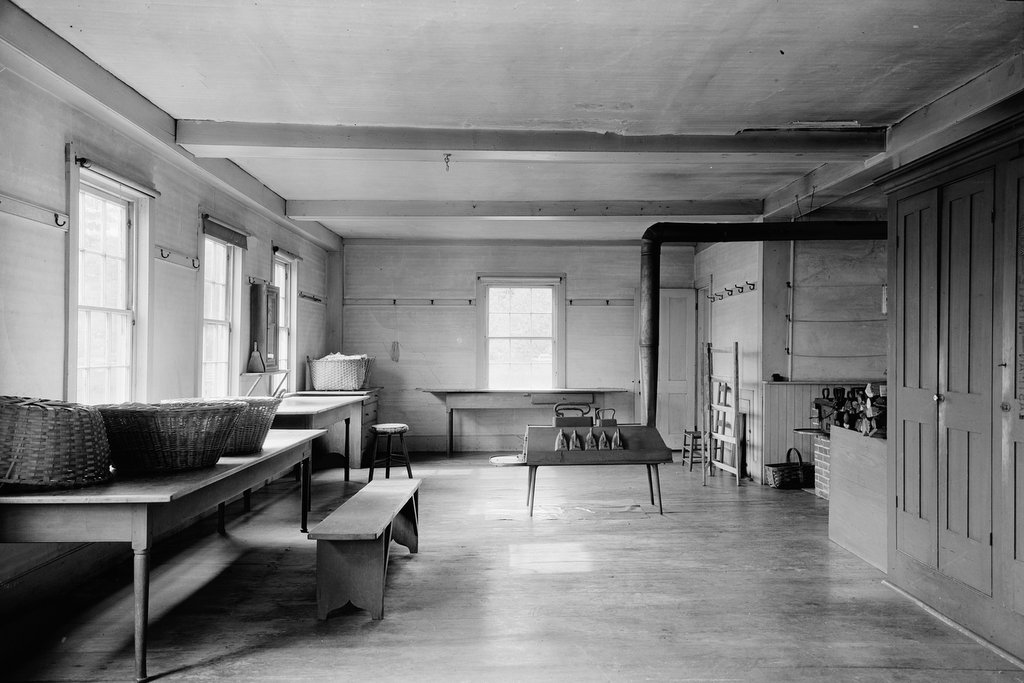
822	449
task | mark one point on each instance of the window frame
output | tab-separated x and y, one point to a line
234	306
138	213
556	281
289	293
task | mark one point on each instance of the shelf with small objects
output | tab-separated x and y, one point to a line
861	409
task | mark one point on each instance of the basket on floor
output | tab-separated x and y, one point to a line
51	444
252	425
789	474
339	373
168	437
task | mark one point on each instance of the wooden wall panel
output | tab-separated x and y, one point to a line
31	308
839	331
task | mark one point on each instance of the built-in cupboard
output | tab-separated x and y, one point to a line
956	416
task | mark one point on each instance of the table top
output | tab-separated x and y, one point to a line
164	488
314	405
562	390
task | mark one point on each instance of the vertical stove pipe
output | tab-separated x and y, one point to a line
650	281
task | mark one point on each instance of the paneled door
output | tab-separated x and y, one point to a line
1012	503
677	365
965	382
917	384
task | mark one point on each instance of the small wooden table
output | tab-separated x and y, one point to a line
322	412
512	399
139	509
643	446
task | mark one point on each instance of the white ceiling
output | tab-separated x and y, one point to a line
368	98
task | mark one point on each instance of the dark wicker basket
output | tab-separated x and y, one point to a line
168	437
250	430
790	475
51	444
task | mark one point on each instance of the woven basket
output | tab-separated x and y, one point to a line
168	437
790	475
51	444
252	425
339	374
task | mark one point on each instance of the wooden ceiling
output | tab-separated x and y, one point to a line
586	120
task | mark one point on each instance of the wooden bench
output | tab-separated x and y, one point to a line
353	544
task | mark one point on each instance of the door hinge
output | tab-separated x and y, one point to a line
897	502
990	538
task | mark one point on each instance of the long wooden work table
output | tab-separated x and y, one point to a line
140	509
512	399
333	414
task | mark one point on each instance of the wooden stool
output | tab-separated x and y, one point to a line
389	429
693	447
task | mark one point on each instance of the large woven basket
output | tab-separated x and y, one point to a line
252	425
789	474
168	437
339	374
51	444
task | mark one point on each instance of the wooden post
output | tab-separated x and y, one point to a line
650	276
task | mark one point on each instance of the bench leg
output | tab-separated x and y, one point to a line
533	487
352	571
405	526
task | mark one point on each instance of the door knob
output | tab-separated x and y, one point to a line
938	398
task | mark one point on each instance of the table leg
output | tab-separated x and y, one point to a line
141	581
533	487
657	482
650	482
305	497
451	431
348	454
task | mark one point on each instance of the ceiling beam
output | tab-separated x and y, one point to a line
316	210
988	99
240	139
766	232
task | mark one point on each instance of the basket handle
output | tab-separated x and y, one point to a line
798	458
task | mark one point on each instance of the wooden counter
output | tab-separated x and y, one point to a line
856	513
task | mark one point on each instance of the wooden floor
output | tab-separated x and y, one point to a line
731	584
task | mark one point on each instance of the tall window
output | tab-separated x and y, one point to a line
106	313
217	298
284	279
521	345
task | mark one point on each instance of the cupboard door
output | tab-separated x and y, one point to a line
917	259
966	382
1012	509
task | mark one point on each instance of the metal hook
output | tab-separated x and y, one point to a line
728	291
164	253
195	263
739	288
752	285
56	221
719	296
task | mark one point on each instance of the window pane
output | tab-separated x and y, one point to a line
499	351
521	300
114	294
540	325
522	351
90	280
519	324
541	300
498	299
497	325
500	377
